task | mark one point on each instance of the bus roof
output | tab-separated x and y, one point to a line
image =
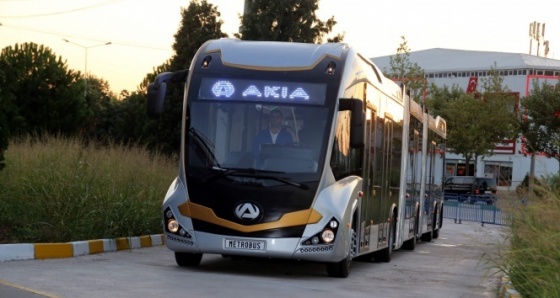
273	55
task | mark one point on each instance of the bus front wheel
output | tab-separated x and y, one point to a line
186	259
342	268
339	269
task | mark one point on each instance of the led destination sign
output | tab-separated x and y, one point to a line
255	90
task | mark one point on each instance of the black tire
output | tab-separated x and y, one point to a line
441	217
342	268
435	226
385	254
185	259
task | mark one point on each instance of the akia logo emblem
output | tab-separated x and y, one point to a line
247	211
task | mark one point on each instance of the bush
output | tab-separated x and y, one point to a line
56	189
523	187
533	256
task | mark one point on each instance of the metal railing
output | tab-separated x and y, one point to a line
477	212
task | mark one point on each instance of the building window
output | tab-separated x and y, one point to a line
455	167
501	171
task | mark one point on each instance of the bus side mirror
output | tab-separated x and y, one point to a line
357	132
156	94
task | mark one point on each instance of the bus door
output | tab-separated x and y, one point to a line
430	187
384	154
413	185
368	207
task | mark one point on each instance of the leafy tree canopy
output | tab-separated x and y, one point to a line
200	22
476	122
39	93
540	120
3	123
404	71
287	20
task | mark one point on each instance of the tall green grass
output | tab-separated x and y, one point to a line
531	256
56	189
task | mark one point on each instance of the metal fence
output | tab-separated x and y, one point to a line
482	212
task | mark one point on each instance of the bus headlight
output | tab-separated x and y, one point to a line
327	236
173	226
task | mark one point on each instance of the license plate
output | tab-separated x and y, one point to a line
240	244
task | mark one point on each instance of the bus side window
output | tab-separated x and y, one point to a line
345	161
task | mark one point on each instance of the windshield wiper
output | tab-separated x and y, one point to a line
208	148
253	173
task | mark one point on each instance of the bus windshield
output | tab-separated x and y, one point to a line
278	139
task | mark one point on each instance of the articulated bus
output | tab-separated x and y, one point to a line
298	151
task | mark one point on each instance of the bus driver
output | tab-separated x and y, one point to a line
276	133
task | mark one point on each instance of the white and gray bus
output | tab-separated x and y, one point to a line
298	151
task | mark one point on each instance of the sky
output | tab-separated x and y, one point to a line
141	31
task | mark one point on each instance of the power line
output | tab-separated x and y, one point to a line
62	12
122	43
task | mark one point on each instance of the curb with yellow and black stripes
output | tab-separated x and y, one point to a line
26	251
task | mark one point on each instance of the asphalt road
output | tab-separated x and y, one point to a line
454	265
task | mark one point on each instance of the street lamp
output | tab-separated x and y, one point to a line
86	50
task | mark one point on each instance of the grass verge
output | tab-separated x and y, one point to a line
531	256
56	189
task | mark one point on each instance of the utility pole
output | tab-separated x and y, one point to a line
86	59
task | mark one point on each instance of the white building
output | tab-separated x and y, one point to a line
450	67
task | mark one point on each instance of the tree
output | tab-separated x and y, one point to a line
404	71
99	102
464	135
287	20
3	138
540	120
199	23
475	122
3	122
39	93
438	98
